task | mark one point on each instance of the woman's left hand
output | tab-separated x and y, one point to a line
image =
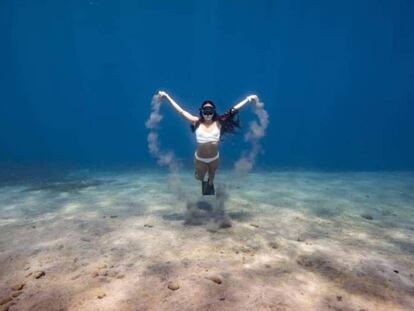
162	94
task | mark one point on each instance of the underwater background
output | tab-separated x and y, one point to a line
90	219
336	79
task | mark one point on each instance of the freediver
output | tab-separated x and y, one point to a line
208	128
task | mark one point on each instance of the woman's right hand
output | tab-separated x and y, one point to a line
252	98
162	94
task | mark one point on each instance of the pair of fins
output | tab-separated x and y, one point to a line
207	189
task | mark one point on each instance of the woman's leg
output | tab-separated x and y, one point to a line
200	169
212	168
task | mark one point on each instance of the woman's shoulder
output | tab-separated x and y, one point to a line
195	124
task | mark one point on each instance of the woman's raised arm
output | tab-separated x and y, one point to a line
188	116
245	101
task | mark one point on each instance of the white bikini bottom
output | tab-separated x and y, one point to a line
206	160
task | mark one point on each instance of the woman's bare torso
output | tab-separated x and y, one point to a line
210	149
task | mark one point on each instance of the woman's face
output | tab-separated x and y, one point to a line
208	112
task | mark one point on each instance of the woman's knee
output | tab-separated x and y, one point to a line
200	171
198	175
212	167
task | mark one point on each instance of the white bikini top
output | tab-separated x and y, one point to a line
205	137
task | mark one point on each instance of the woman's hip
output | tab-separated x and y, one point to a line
206	160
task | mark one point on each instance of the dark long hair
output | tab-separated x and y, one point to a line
229	121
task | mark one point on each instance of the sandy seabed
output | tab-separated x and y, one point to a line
266	241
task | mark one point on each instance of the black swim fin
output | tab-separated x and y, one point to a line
207	189
211	190
204	185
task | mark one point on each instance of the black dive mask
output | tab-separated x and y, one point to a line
208	111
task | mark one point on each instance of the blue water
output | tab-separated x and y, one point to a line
77	79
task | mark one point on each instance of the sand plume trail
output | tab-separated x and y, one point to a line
257	130
164	158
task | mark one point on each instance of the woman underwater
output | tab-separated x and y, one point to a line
208	127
